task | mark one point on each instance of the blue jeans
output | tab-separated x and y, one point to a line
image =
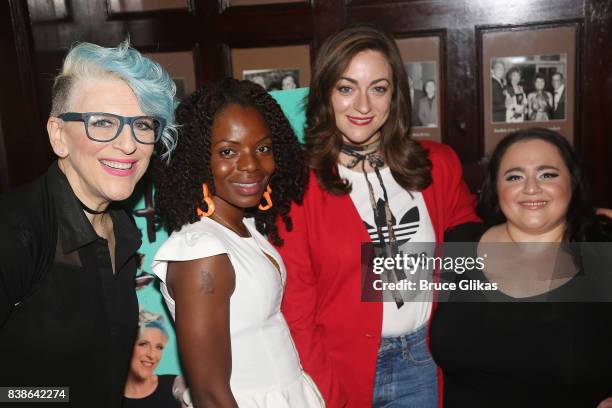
406	375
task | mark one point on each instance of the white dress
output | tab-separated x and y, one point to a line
266	371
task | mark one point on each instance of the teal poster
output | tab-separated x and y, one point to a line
149	298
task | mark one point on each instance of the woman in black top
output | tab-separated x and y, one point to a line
68	307
536	348
143	387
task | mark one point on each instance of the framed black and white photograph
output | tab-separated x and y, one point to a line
528	88
423	82
274	68
423	62
274	79
528	78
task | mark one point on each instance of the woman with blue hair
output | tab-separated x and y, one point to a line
144	388
68	307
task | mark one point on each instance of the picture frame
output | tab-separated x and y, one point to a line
273	63
274	79
236	3
181	67
118	8
423	59
528	78
49	11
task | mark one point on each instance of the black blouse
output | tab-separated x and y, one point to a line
65	318
534	354
160	398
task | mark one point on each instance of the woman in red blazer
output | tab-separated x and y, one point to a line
369	182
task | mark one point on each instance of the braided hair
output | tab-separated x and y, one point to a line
178	183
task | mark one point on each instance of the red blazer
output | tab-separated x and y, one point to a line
337	335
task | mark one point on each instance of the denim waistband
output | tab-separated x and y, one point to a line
409	339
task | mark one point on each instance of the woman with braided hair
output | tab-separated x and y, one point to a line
221	279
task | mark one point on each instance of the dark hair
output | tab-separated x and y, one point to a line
407	159
539	75
179	183
511	71
558	73
582	224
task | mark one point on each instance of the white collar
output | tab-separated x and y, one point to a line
560	90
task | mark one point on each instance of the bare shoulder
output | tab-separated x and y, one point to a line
494	234
213	275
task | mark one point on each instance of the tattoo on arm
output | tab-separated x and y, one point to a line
207	282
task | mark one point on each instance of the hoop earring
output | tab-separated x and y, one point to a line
267	199
210	206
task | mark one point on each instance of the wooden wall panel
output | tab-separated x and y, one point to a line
24	152
211	28
596	129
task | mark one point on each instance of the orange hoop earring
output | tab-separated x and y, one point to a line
267	199
210	206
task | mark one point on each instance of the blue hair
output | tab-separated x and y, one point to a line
150	320
151	84
156	324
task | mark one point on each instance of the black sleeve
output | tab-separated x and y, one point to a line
466	232
16	266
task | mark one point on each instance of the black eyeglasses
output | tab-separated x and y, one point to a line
105	127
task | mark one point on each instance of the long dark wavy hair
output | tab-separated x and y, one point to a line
407	159
179	183
582	223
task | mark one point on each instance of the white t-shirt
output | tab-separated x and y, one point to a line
411	224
